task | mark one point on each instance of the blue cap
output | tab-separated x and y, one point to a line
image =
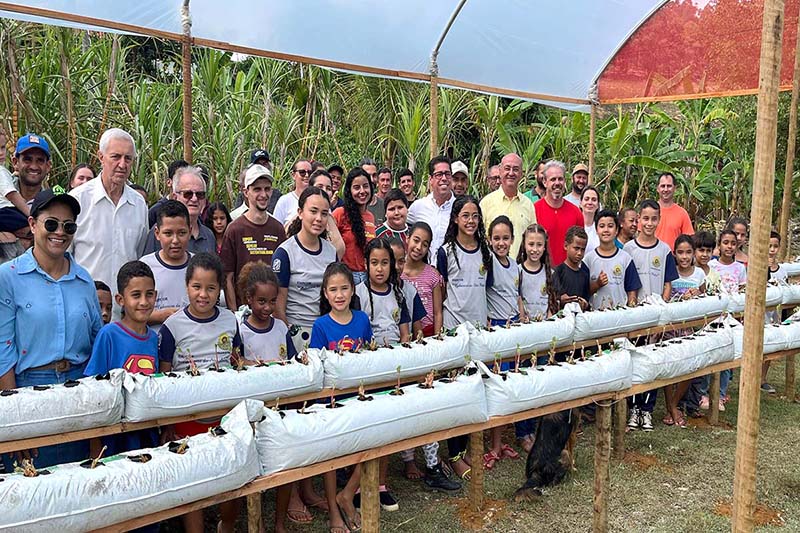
31	140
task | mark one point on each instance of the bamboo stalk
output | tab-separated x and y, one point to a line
16	86
69	104
112	83
791	139
186	63
370	501
744	484
713	399
620	423
602	474
477	475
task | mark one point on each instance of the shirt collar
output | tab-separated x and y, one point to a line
446	202
26	263
100	192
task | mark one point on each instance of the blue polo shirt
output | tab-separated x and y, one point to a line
43	320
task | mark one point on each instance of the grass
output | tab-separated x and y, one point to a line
671	481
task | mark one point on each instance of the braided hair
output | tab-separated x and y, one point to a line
394	279
552	299
353	210
480	234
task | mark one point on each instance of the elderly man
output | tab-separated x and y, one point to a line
554	213
173	167
508	201
435	208
112	226
460	180
189	188
493	178
580	179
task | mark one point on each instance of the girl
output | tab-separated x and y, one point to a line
504	305
690	284
217	218
340	327
80	175
739	227
535	285
200	336
415	308
355	222
381	296
590	203
321	179
465	263
426	279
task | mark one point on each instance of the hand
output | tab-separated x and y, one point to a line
602	279
583	303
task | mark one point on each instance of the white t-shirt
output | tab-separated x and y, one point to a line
622	277
501	297
436	216
170	283
593	240
286	208
269	344
655	265
182	335
466	281
533	289
693	281
779	275
385	315
7	185
732	276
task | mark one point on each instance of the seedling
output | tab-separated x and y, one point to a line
97	459
27	468
496	366
440	335
599	348
516	359
552	359
332	403
302	410
571	357
508	324
428	383
362	393
397	390
420	338
193	370
303	357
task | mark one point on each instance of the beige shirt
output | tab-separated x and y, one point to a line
519	209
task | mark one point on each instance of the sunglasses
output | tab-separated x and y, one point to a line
187	195
303	173
52	224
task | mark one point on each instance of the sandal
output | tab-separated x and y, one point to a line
489	459
338	529
508	451
299	516
680	422
668	420
321	504
466	475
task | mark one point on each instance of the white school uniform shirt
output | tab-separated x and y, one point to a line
199	338
170	283
622	277
732	275
435	215
385	315
501	297
286	208
7	185
465	285
266	345
655	265
779	275
533	289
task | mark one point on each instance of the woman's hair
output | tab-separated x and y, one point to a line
736	220
590	188
394	279
552	298
252	274
480	235
424	226
332	270
297	224
502	219
205	261
76	169
317	173
683	238
216	206
353	210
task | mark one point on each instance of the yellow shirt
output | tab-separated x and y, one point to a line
519	209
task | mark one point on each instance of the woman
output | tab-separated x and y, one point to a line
46	290
217	218
590	202
355	222
80	175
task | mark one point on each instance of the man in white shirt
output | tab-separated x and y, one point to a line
436	206
112	225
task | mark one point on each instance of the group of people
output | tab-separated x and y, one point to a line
340	261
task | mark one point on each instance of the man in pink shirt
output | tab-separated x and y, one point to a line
674	219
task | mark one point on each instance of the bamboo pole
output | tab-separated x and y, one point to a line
186	61
370	500
254	513
477	474
434	109
790	379
602	474
786	204
592	125
744	485
713	399
620	424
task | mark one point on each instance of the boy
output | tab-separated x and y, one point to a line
571	278
169	263
704	243
396	205
777	273
613	276
657	270
105	299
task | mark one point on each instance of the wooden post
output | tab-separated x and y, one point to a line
592	125
254	524
186	61
790	379
602	475
620	424
370	501
744	483
713	400
786	205
476	477
434	109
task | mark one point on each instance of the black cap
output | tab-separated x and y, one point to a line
259	154
57	194
337	168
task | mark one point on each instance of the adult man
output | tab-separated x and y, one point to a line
189	188
554	213
580	178
261	157
286	208
375	206
384	182
537	189
674	219
112	226
628	226
507	200
32	163
493	178
460	179
252	237
152	213
406	184
435	208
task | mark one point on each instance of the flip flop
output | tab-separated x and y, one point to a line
294	515
508	451
349	523
489	460
321	504
668	421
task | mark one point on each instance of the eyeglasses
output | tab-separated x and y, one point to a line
466	217
187	195
52	224
303	173
443	175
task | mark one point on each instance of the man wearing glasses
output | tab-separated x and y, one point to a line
189	188
435	208
286	208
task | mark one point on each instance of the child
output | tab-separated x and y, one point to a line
465	263
425	279
732	273
613	276
539	300
413	301
172	231
504	305
657	270
395	225
105	299
571	278
381	296
340	327
704	243
777	273
739	227
217	218
200	336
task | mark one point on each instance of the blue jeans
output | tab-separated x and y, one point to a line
725	377
69	452
645	401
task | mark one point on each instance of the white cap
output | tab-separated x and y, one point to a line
255	172
459	166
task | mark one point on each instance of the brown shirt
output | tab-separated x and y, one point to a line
244	242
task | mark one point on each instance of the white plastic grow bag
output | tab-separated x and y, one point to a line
82	404
528	338
791	294
289	439
792	269
680	356
777	337
179	393
379	366
554	384
774	297
73	498
704	306
596	324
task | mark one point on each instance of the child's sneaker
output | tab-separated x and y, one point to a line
388	501
769	389
647	421
704	403
436	478
633	418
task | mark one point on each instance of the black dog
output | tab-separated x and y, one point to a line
552	455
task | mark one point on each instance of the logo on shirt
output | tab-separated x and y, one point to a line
482	270
282	351
140	364
276	264
543	290
617	270
657	262
396	315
